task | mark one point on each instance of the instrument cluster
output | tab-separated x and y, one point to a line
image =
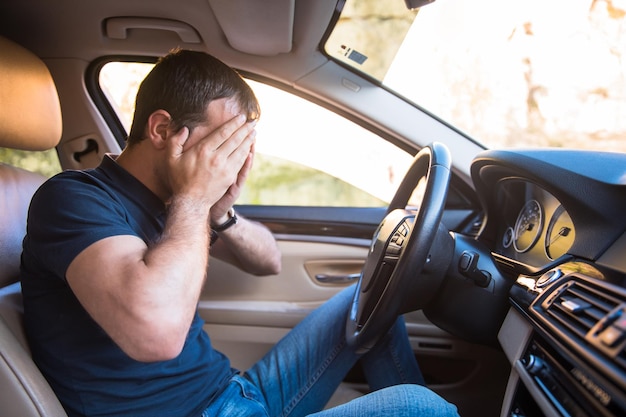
535	227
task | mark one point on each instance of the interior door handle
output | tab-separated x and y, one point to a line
337	279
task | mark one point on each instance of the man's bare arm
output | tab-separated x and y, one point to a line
250	246
145	297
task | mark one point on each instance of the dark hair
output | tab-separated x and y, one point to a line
183	83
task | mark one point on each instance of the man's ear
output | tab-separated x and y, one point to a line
157	128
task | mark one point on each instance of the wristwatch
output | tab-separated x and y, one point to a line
232	219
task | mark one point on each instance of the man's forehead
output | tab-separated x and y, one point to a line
228	105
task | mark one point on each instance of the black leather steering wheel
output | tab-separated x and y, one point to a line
390	283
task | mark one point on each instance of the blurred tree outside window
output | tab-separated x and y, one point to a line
46	163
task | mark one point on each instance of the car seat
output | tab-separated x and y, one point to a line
30	119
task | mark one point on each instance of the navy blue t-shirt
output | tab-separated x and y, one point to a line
89	373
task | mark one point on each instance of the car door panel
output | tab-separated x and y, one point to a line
246	315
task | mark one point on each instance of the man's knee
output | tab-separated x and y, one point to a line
421	401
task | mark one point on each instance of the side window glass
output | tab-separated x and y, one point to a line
306	155
45	163
119	82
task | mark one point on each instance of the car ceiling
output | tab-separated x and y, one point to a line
263	33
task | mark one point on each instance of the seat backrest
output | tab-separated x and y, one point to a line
30	119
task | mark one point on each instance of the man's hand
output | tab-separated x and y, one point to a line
221	207
211	166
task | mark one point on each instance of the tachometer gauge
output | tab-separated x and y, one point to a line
528	226
560	234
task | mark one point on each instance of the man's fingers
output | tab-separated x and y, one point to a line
228	129
245	169
178	141
231	138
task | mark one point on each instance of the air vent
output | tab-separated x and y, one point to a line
620	355
585	314
578	307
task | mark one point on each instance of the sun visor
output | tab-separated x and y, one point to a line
256	27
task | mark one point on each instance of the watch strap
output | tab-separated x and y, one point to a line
232	220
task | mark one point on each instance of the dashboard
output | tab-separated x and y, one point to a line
556	230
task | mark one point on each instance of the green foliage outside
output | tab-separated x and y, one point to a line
46	163
275	181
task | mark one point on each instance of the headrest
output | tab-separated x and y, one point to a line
30	113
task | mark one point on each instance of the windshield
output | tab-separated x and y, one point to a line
530	73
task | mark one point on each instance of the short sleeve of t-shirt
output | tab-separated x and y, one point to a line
69	213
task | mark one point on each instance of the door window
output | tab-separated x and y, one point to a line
306	154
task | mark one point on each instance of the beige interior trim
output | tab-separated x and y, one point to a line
514	335
256	27
25	392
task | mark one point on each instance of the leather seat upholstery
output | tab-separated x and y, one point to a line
30	119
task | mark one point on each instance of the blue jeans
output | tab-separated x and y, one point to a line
300	374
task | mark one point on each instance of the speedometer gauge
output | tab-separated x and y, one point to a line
528	226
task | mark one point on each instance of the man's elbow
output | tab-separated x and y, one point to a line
157	346
275	265
161	355
271	265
